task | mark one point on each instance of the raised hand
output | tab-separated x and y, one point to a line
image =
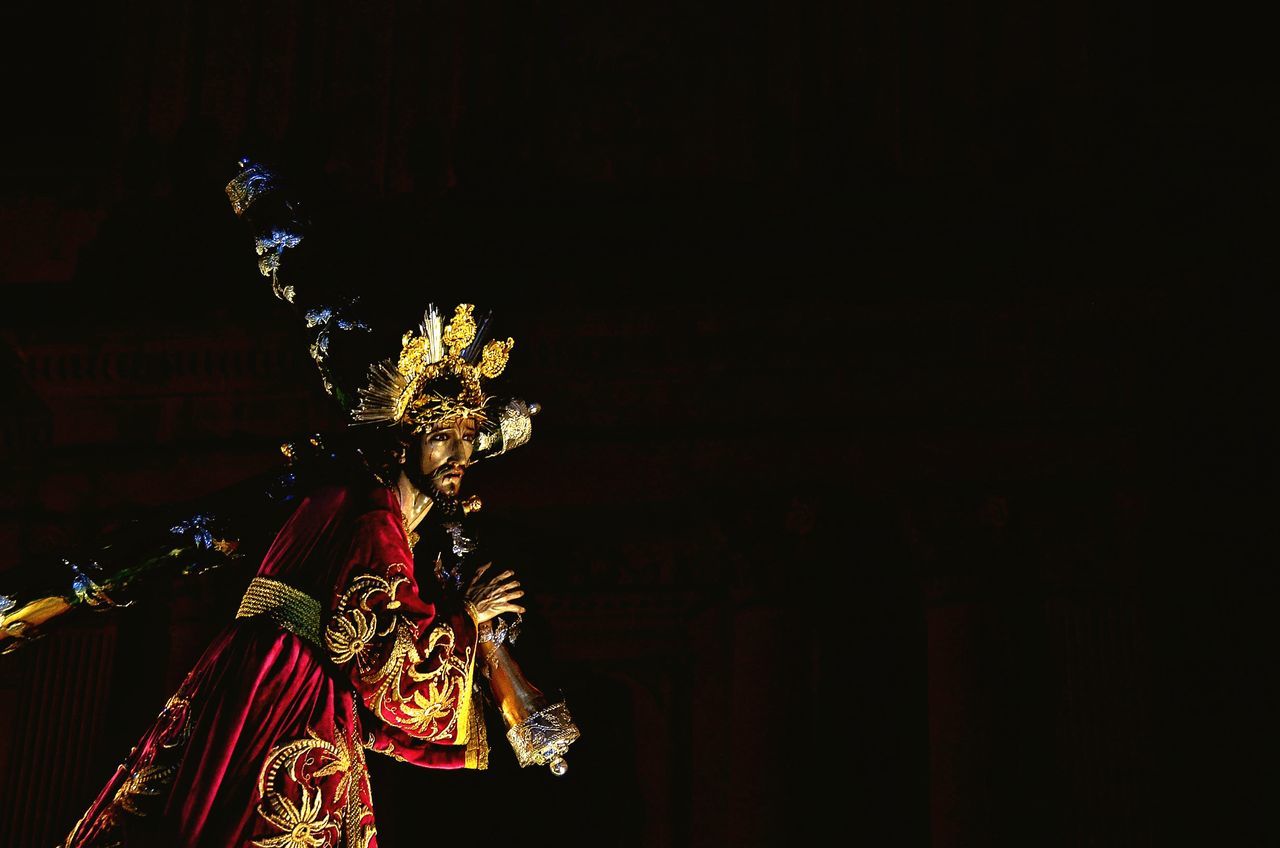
494	596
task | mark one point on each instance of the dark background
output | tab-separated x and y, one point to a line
905	465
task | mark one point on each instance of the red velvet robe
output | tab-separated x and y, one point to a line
262	743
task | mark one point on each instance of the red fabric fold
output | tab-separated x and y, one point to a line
262	742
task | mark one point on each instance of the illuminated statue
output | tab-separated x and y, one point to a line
344	641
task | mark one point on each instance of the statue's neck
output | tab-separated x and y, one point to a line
414	503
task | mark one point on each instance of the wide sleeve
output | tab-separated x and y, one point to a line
409	655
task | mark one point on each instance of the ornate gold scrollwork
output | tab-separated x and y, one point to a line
420	691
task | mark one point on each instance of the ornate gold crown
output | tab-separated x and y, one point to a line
437	375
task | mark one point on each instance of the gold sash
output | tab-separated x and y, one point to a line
291	609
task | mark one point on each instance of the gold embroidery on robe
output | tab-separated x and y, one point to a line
354	627
437	710
154	769
176	730
477	756
388	750
291	785
149	781
358	824
292	799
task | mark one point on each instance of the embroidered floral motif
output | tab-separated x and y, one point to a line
415	689
353	627
315	793
291	785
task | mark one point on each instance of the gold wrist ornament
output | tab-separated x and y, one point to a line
539	731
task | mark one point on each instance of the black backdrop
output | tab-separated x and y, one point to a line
905	464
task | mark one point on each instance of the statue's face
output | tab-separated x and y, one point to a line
441	457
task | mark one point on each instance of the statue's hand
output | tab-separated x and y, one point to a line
494	596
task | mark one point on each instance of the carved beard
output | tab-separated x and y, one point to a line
445	503
425	483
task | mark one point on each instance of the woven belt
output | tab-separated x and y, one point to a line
291	609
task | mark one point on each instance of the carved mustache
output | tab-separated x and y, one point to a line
450	468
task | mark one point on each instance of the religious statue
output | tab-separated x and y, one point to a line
345	640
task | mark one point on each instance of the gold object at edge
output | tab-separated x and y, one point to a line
401	389
22	624
544	737
539	733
